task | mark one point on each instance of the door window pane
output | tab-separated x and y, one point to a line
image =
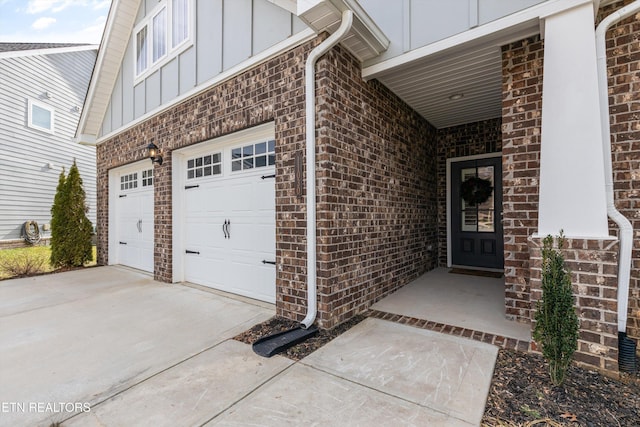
485	221
469	221
478	218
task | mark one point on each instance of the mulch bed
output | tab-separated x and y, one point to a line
521	394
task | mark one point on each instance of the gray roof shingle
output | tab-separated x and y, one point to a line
13	47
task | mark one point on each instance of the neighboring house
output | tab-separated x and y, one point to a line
43	90
416	99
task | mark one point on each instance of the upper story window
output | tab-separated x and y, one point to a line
40	116
162	34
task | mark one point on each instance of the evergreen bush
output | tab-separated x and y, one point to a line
557	324
70	228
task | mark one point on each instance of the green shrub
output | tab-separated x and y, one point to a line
70	228
557	324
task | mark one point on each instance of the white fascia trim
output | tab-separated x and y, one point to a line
531	15
95	76
264	56
367	28
84	139
288	5
50	51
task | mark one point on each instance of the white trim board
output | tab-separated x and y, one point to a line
509	28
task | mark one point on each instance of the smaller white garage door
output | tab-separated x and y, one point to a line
228	215
131	216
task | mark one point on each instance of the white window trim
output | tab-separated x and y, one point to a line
30	104
170	52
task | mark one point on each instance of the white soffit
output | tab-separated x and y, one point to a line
467	64
113	46
365	40
473	70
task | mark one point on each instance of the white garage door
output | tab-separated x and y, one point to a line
228	230
131	233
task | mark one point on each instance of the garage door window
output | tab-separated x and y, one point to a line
129	181
251	156
147	178
208	165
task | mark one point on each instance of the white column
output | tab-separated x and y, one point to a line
572	193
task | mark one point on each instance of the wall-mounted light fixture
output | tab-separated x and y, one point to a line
154	153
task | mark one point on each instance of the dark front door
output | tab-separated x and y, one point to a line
476	213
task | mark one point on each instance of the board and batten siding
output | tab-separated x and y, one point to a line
27	182
226	33
411	24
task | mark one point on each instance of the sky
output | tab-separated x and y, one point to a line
53	21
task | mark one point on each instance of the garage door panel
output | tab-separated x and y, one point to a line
253	238
253	279
231	258
134	217
206	270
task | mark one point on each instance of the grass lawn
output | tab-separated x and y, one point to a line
30	260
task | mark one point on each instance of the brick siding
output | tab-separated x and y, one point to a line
521	125
376	191
623	53
459	141
376	176
593	267
273	90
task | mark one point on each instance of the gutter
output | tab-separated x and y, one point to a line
310	111
625	345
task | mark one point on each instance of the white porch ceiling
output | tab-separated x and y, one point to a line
467	64
427	86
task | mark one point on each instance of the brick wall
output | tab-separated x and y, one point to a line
521	124
593	267
376	191
273	90
460	141
376	176
623	53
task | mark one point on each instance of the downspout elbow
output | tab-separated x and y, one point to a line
310	111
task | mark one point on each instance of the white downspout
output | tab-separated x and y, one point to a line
626	229
310	106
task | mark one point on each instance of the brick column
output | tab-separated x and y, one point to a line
522	69
593	266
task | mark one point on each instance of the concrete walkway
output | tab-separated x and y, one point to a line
138	353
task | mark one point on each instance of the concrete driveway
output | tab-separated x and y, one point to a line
111	347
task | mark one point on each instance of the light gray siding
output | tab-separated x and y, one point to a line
236	32
411	24
187	70
31	160
226	33
169	87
